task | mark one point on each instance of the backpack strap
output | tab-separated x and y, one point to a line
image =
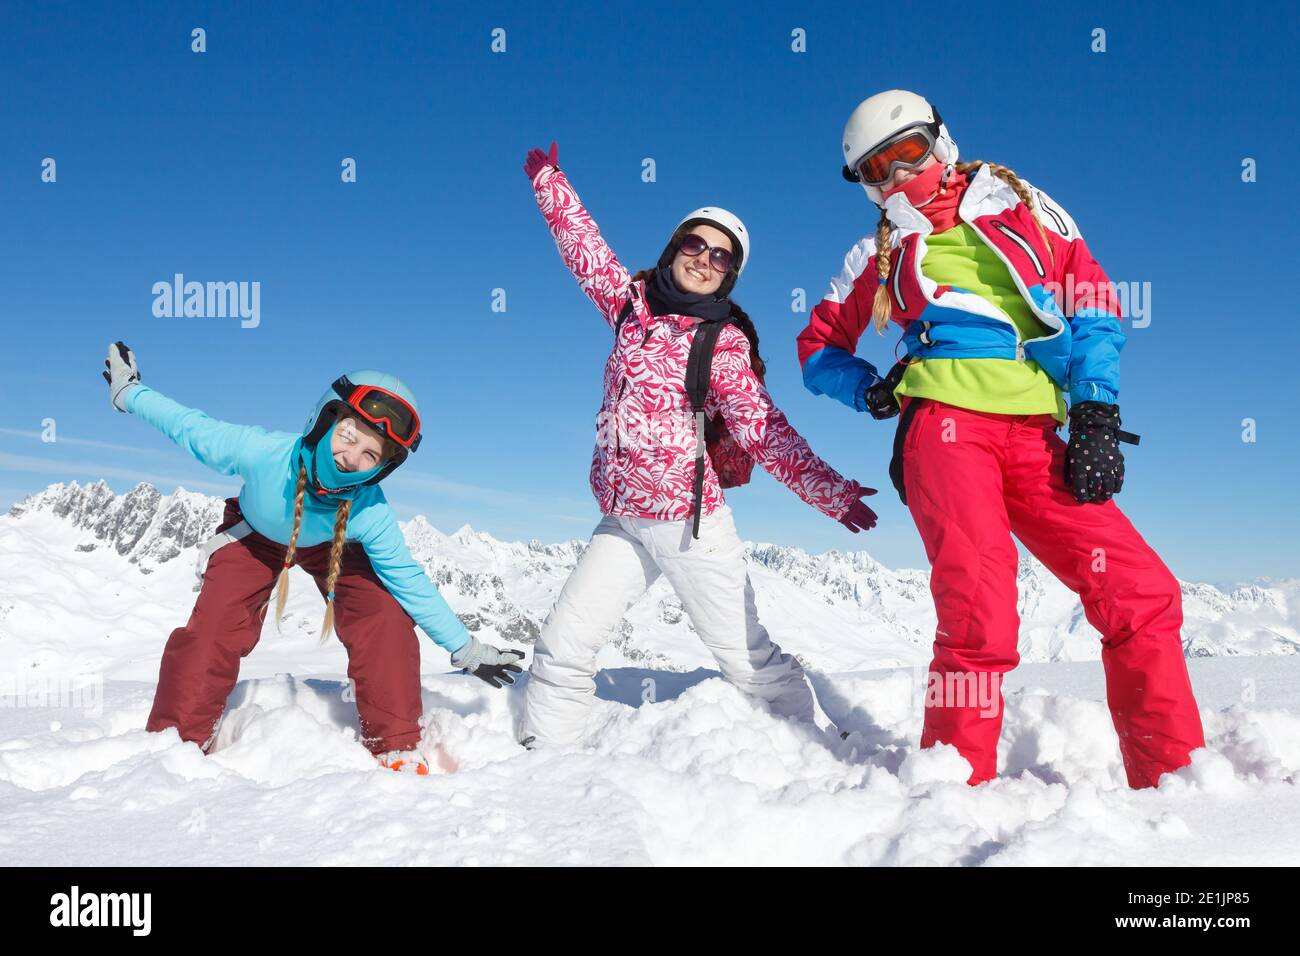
625	311
235	532
698	367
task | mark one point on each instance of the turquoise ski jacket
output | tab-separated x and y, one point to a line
268	463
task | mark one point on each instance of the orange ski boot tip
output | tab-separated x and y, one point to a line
404	762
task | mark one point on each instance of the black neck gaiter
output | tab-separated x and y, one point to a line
664	298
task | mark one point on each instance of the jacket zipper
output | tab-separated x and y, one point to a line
898	277
622	387
618	431
1024	294
1020	287
1023	243
1020	345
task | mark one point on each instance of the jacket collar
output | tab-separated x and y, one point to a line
645	317
906	218
982	187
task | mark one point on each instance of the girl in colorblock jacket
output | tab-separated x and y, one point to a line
1004	314
311	499
660	494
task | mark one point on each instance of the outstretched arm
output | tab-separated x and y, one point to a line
599	273
406	580
220	445
379	534
763	430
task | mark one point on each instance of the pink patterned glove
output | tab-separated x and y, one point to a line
859	517
536	160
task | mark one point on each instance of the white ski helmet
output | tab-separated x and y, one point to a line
887	114
726	221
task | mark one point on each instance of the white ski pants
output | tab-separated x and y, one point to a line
625	557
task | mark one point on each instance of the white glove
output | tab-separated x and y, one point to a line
121	374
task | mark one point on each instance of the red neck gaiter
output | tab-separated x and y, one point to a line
937	200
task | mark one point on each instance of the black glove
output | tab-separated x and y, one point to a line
1094	465
880	397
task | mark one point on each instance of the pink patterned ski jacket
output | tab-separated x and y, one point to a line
644	462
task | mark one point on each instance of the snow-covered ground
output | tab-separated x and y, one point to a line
680	768
702	776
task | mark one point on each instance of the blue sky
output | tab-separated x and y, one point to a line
225	166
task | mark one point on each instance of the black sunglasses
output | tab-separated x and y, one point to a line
719	258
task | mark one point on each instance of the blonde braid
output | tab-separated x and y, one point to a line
881	307
282	583
336	560
1005	174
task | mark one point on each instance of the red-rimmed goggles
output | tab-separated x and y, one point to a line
387	411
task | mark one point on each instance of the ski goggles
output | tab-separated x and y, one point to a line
387	411
906	150
719	259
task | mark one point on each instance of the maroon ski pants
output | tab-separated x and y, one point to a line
201	661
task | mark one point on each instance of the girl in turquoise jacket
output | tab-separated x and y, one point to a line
311	499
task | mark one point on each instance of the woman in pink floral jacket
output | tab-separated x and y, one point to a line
644	469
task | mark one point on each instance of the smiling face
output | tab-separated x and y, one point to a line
693	273
355	445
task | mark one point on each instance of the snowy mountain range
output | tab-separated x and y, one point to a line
82	546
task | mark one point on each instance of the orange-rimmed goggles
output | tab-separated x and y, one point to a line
907	150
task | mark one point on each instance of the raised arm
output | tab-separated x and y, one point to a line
827	345
600	275
762	429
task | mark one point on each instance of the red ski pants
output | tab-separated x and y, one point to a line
972	480
201	661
